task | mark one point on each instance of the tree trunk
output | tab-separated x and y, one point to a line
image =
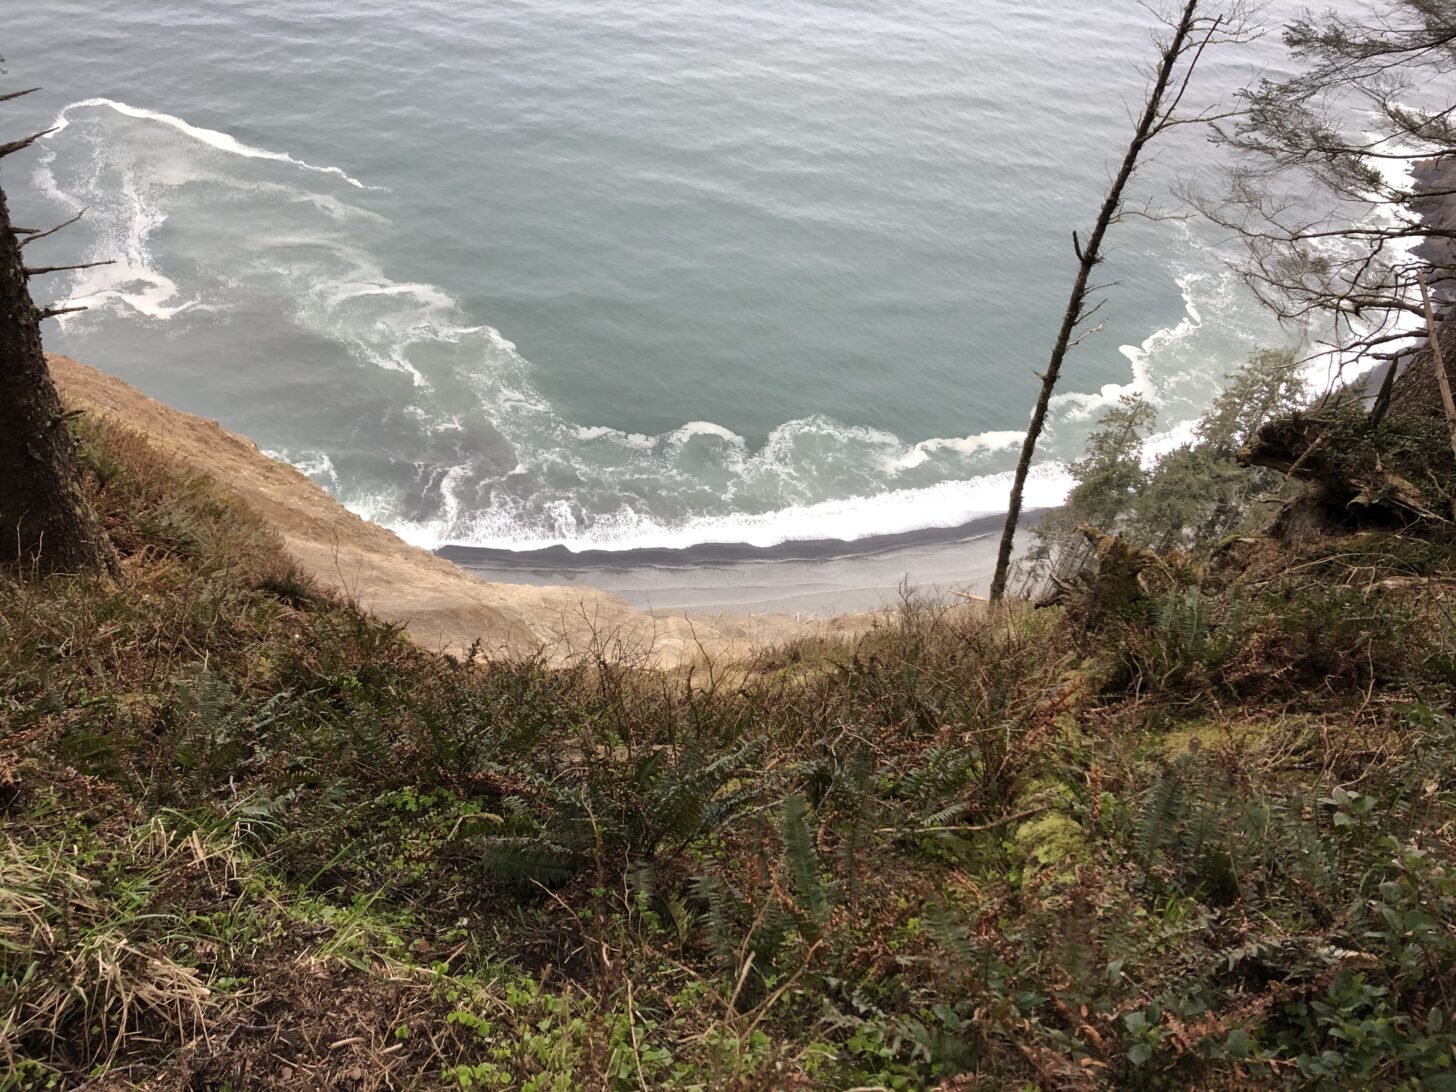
1416	391
46	522
1152	122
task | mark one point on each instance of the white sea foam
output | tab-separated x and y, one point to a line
964	445
587	486
1082	406
1160	444
637	440
223	142
947	504
693	429
315	464
130	278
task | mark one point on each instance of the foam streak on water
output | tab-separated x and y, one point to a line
586	486
782	272
211	137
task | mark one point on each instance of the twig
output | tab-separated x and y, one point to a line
1313	447
52	312
632	1027
37	270
34	235
23	142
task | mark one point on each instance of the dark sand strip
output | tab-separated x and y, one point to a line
819	578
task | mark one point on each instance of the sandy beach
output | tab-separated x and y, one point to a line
672	606
814	579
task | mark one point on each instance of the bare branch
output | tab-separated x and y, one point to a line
1188	73
52	312
1085	334
23	142
36	271
34	235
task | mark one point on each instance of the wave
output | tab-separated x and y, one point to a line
468	451
850	519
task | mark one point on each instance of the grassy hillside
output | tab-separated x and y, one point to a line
257	839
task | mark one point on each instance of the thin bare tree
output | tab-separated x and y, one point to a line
46	522
1343	188
1190	34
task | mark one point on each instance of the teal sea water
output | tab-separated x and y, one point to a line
628	273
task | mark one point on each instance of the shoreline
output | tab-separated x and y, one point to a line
444	606
673	604
819	578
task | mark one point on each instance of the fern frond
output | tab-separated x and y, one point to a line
803	858
717	917
1160	814
945	815
525	861
951	935
680	916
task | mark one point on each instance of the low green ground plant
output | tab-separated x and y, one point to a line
256	838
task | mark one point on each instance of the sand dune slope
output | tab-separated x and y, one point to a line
442	606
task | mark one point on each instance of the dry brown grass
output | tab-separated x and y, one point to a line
91	960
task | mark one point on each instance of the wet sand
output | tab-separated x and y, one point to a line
818	579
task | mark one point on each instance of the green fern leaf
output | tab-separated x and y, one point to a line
528	861
803	858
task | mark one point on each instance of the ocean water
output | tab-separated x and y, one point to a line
622	274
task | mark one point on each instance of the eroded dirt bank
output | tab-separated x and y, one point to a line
442	606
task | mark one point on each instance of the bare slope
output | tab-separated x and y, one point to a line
442	606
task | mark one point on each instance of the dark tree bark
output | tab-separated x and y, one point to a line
46	522
1416	391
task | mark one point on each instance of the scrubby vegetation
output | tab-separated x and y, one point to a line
255	838
1189	498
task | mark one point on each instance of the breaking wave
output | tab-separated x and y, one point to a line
467	450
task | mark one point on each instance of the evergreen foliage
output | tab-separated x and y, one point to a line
1190	498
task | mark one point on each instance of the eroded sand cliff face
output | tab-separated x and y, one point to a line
443	607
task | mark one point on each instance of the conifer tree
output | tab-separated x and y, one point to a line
1109	477
1190	498
1199	493
46	522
